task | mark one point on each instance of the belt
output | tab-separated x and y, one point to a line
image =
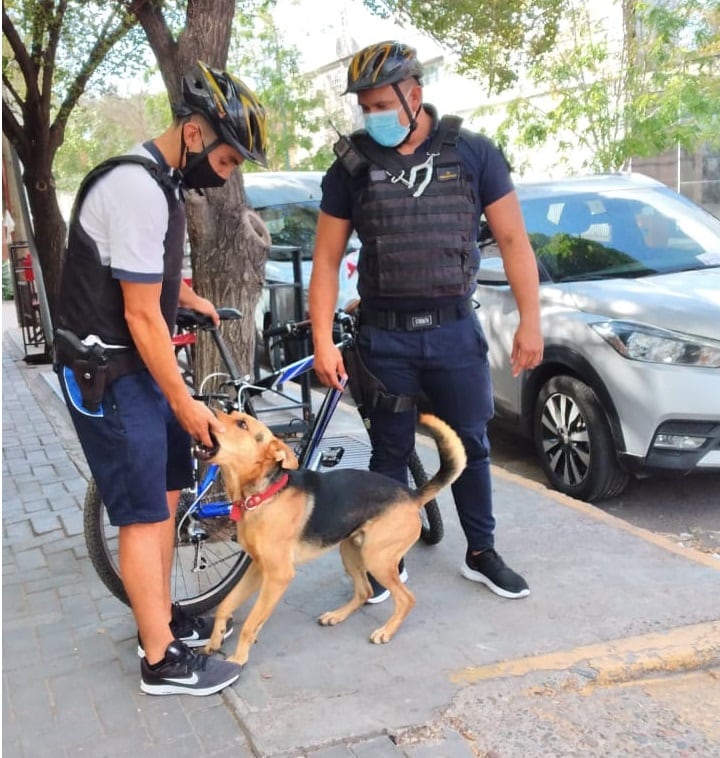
413	321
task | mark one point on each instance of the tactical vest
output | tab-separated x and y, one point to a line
415	218
91	300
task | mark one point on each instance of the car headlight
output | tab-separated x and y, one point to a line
640	342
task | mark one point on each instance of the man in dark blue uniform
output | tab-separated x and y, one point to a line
414	186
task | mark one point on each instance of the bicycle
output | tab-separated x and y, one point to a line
208	562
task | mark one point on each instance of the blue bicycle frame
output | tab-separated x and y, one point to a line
307	450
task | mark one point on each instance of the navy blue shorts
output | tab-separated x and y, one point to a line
135	448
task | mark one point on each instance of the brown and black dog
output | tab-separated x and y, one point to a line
291	517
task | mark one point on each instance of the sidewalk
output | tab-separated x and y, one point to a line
615	652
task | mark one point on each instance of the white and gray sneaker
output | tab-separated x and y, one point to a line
193	631
184	672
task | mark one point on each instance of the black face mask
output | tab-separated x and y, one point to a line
198	173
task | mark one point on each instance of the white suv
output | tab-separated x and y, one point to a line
630	305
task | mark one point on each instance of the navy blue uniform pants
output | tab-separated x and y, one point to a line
449	365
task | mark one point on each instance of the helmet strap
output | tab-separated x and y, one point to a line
412	117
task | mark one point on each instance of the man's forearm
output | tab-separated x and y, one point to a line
322	297
152	341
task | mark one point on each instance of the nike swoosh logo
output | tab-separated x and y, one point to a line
193	636
194	679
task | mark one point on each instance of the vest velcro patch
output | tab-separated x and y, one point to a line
447	173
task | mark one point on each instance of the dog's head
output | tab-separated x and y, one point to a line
246	451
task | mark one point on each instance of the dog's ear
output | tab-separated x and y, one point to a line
281	453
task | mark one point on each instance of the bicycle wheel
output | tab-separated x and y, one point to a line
207	560
433	528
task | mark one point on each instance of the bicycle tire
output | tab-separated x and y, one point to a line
433	529
196	591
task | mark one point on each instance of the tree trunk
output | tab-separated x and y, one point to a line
229	247
228	256
49	230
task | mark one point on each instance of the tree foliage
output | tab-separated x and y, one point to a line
494	41
653	87
103	125
293	106
52	52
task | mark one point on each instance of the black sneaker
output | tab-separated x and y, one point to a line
184	672
193	631
490	569
380	594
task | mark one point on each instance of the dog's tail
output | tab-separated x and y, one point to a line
452	458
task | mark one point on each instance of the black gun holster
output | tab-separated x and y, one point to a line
93	367
92	378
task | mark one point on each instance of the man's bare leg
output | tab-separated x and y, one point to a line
146	553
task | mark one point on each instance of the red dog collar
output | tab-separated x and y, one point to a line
252	501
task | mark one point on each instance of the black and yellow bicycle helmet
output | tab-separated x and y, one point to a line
381	64
231	107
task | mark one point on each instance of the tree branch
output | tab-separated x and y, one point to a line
106	40
160	39
14	93
39	20
54	26
21	56
13	130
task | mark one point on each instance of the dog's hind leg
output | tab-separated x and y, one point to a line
386	542
352	560
404	600
275	580
239	594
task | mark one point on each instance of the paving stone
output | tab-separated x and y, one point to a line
44	522
30	559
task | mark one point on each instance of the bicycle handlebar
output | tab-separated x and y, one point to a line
188	318
302	328
287	328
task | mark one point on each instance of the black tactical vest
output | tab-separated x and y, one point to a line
416	242
91	300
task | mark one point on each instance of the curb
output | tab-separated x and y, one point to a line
659	540
683	649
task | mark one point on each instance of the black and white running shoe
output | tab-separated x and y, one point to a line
184	672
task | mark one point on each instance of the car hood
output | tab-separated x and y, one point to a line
688	301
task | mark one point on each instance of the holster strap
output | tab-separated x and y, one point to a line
368	391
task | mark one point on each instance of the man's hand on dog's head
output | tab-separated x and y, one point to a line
199	421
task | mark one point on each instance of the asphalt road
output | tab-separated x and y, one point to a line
685	508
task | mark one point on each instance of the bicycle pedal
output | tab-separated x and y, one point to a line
331	457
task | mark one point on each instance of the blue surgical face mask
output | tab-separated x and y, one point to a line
385	128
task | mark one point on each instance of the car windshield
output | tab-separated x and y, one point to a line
620	233
291	225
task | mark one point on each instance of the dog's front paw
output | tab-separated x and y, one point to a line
381	636
239	659
331	618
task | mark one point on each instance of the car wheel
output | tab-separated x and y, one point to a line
573	441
